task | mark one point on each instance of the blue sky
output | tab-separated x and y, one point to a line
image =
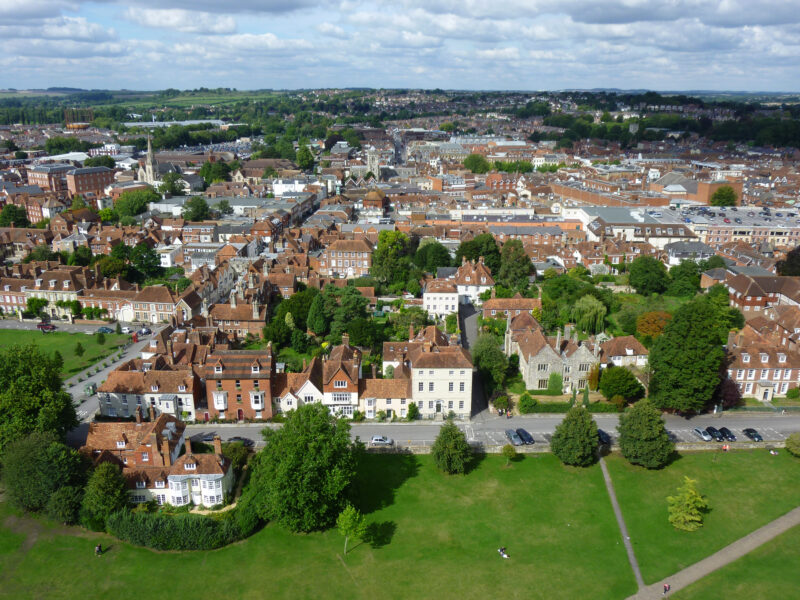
466	44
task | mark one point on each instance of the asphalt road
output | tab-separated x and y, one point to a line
490	431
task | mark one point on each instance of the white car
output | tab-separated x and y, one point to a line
381	440
126	330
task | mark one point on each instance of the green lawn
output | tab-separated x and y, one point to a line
65	344
767	573
435	537
745	490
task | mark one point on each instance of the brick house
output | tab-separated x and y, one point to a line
758	368
238	319
346	259
238	384
341	375
89	180
496	308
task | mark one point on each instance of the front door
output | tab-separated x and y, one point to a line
438	407
240	414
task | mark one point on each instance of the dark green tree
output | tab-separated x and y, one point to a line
100	161
105	494
619	381
451	451
686	358
37	465
477	163
790	266
305	158
317	321
214	171
134	202
515	266
685	279
575	440
64	504
648	275
145	259
196	209
170	185
224	207
481	245
431	255
643	438
302	478
12	214
490	359
724	196
31	396
391	257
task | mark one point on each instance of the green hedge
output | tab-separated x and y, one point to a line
183	531
562	407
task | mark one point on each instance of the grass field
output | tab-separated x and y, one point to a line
767	573
65	344
745	490
434	537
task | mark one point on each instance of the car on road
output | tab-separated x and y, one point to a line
727	434
246	442
46	327
105	330
715	433
753	434
380	440
513	437
605	439
144	331
208	438
702	434
526	437
126	330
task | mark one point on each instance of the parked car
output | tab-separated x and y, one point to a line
246	442
753	434
715	433
605	439
702	434
513	437
46	327
727	434
126	330
209	437
526	437
105	330
381	440
144	331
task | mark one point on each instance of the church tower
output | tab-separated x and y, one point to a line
149	174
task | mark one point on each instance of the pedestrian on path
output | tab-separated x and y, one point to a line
667	588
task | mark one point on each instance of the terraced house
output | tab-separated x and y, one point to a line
238	384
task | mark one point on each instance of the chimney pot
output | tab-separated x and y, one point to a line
152	413
374	371
188	445
217	445
138	415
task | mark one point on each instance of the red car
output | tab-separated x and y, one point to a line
46	327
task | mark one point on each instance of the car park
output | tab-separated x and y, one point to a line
513	437
702	434
715	433
727	434
380	440
752	434
526	437
603	437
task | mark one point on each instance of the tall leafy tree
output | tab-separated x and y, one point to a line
317	321
305	158
575	440
196	209
215	171
490	359
481	245
451	452
430	255
146	260
724	196
589	314
643	438
105	494
515	266
37	465
686	359
685	279
31	396
790	266
648	275
170	185
619	381
477	163
302	478
13	215
391	256
134	202
351	524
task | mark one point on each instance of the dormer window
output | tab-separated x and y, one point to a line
66	285
190	466
153	343
254	369
154	388
140	485
467	278
120	444
745	358
38	283
146	366
52	283
145	457
160	484
181	388
781	358
217	368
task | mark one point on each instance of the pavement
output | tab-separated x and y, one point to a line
727	555
65	326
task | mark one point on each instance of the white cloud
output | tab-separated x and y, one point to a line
332	30
185	21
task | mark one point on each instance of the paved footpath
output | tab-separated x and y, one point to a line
727	555
626	539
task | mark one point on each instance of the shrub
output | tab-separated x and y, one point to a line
687	508
510	453
575	441
501	402
413	412
555	384
105	494
793	394
380	415
359	416
450	451
527	404
793	444
65	504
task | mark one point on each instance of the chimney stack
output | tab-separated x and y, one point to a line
233	299
167	457
217	445
304	365
170	355
188	445
374	371
493	292
152	413
558	341
255	310
345	339
138	414
410	332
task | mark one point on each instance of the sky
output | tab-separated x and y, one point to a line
749	45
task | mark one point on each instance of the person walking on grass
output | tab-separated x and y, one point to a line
98	550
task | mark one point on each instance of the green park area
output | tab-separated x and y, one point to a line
66	344
744	490
434	536
766	573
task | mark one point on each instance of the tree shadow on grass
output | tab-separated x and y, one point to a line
380	534
379	477
477	458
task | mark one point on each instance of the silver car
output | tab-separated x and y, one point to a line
702	434
381	440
